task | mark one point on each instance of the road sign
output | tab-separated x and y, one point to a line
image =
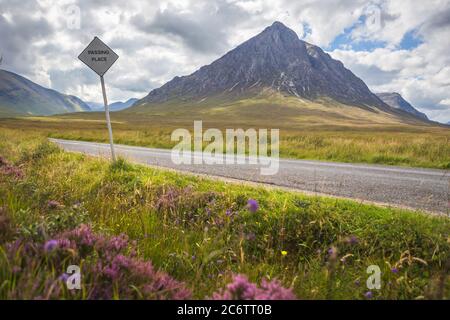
99	57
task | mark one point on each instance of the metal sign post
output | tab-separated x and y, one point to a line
99	57
108	120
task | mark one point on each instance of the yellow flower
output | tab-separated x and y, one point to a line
284	253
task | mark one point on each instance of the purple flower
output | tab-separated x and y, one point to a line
357	282
332	253
64	277
242	289
50	245
16	269
107	263
52	204
368	295
252	205
394	270
353	240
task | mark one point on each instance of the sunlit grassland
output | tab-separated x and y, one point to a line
356	142
190	235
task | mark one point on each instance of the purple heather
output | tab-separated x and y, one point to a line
50	245
252	205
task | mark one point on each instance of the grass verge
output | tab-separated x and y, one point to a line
202	232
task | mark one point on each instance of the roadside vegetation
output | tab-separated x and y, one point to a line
413	146
145	233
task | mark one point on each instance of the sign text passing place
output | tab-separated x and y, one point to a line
98	56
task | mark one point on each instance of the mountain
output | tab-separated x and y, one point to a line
116	106
275	61
95	106
396	101
20	96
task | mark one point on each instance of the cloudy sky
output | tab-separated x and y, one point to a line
393	45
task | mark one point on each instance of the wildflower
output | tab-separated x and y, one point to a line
16	269
394	270
352	240
50	245
332	253
242	289
252	205
64	244
368	295
357	282
251	236
63	277
284	253
52	204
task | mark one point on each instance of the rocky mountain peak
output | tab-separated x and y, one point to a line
278	32
396	101
276	59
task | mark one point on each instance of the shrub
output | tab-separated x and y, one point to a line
186	206
10	170
6	229
109	269
41	151
242	289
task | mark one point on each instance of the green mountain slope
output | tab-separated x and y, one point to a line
270	109
20	96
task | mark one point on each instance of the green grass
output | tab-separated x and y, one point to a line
192	222
392	144
321	130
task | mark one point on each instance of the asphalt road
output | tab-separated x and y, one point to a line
422	189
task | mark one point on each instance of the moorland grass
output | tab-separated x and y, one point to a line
403	145
201	231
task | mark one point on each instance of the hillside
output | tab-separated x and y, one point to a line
20	96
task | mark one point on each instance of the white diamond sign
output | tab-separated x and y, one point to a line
98	56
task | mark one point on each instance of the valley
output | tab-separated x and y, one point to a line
307	130
362	182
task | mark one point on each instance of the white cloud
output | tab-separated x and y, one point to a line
160	39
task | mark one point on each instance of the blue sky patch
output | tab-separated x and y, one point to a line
345	41
410	40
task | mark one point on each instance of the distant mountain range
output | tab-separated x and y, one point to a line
116	106
396	101
20	96
274	61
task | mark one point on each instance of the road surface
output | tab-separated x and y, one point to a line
422	189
